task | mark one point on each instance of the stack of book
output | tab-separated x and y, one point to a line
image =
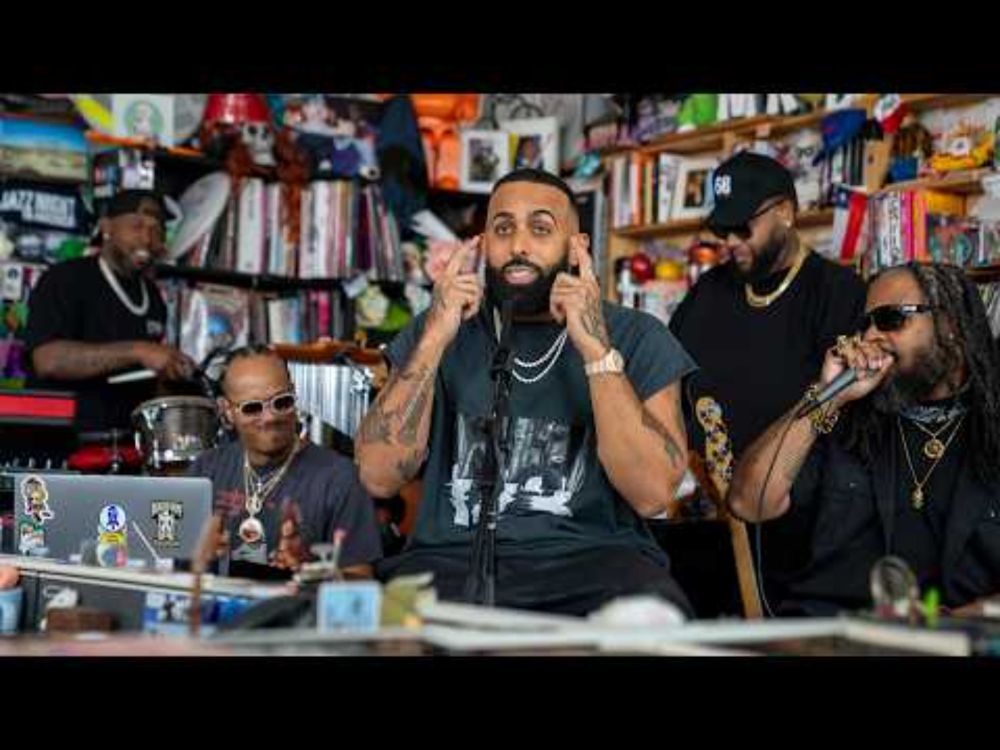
344	228
642	188
927	225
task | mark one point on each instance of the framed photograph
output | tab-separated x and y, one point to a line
693	193
485	159
144	116
535	143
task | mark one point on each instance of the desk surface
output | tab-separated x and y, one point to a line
127	577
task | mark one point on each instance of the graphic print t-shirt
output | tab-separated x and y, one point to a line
555	493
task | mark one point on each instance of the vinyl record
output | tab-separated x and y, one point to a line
201	206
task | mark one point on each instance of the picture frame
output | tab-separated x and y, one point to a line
693	196
485	158
535	143
144	116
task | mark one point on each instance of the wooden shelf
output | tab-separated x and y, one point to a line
811	218
261	282
924	102
984	274
964	182
712	137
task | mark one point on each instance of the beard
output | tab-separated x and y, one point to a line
905	390
528	299
765	260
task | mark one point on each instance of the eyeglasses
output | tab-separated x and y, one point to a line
888	318
282	403
743	231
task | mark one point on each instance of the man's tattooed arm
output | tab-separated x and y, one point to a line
76	360
392	439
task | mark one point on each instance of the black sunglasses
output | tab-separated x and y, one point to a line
888	318
282	403
743	231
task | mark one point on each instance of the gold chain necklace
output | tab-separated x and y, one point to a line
934	448
917	496
763	300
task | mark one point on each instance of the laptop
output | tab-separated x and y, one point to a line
109	520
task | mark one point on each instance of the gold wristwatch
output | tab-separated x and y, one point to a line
610	362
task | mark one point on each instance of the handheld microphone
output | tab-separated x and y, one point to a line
840	383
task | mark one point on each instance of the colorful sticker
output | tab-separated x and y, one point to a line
112	549
112	519
31	537
36	499
166	514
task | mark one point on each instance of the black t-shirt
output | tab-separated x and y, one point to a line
918	535
757	362
323	484
556	494
74	301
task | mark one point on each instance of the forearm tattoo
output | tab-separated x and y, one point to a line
593	322
674	454
411	390
408	466
76	360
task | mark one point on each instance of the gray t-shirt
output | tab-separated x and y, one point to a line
556	494
325	486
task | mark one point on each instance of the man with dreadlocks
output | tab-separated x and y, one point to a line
912	466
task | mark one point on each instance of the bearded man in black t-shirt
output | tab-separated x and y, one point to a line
96	316
759	325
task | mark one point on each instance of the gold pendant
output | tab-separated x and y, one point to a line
251	530
933	449
917	498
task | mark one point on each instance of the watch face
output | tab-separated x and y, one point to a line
617	361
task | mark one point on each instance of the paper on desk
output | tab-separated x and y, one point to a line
425	223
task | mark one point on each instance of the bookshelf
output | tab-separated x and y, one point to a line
259	282
961	182
680	227
720	138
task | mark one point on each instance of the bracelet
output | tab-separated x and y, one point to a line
825	419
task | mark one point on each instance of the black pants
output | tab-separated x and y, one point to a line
574	583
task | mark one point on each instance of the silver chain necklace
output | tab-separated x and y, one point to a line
138	310
251	530
550	357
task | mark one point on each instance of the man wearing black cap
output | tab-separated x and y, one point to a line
93	317
759	325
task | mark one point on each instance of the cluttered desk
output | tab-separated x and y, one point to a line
57	608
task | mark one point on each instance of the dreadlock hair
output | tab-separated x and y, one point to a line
956	299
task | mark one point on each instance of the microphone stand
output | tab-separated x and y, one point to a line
480	585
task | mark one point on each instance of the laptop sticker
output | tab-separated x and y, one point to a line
166	514
36	499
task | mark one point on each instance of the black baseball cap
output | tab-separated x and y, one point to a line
130	202
742	183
